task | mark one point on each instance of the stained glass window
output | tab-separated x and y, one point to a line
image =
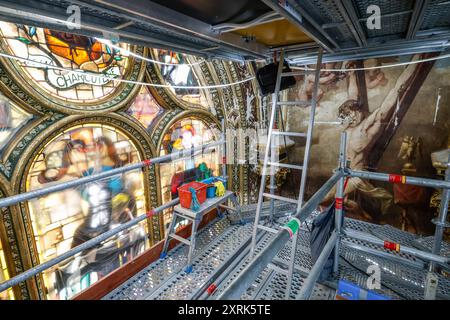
81	54
182	75
4	275
66	219
12	118
145	108
185	134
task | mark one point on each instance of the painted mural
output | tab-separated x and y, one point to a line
395	119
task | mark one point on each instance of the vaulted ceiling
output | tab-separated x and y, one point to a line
252	29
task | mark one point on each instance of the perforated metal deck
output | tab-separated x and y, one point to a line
402	275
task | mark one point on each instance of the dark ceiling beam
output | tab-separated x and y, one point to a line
298	16
153	13
415	23
435	44
55	19
347	10
135	29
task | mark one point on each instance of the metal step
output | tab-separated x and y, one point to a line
181	239
285	165
272	196
303	103
289	134
268	229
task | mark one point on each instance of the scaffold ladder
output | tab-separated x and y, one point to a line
271	153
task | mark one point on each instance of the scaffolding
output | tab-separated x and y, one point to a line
241	283
36	270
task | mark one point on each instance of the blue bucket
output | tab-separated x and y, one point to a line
211	192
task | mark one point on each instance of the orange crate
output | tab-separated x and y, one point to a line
186	195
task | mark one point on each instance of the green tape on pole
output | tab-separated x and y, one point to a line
293	225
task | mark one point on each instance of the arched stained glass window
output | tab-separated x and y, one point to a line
12	119
68	218
184	134
182	75
4	275
83	55
145	108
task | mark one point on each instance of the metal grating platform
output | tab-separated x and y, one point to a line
402	277
426	243
155	275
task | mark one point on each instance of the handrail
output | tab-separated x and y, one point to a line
394	178
104	236
5	202
86	245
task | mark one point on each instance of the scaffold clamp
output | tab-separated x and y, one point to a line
292	226
392	246
395	178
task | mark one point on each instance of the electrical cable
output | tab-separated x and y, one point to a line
110	44
445	56
103	76
131	53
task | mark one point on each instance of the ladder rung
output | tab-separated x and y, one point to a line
290	134
303	103
268	229
293	73
268	195
285	165
181	239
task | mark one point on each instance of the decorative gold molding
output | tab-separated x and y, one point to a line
121	97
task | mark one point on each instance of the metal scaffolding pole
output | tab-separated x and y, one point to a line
339	201
395	246
5	202
441	222
254	268
394	178
310	281
84	246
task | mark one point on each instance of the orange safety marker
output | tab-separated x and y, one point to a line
150	214
211	289
147	162
395	178
339	204
392	246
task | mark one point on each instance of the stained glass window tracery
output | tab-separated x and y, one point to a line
63	220
12	119
145	108
82	54
182	75
4	275
184	134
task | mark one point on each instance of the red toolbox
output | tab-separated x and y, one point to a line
186	195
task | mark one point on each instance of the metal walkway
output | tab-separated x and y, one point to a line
402	276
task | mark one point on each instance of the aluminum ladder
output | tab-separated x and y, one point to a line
270	152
